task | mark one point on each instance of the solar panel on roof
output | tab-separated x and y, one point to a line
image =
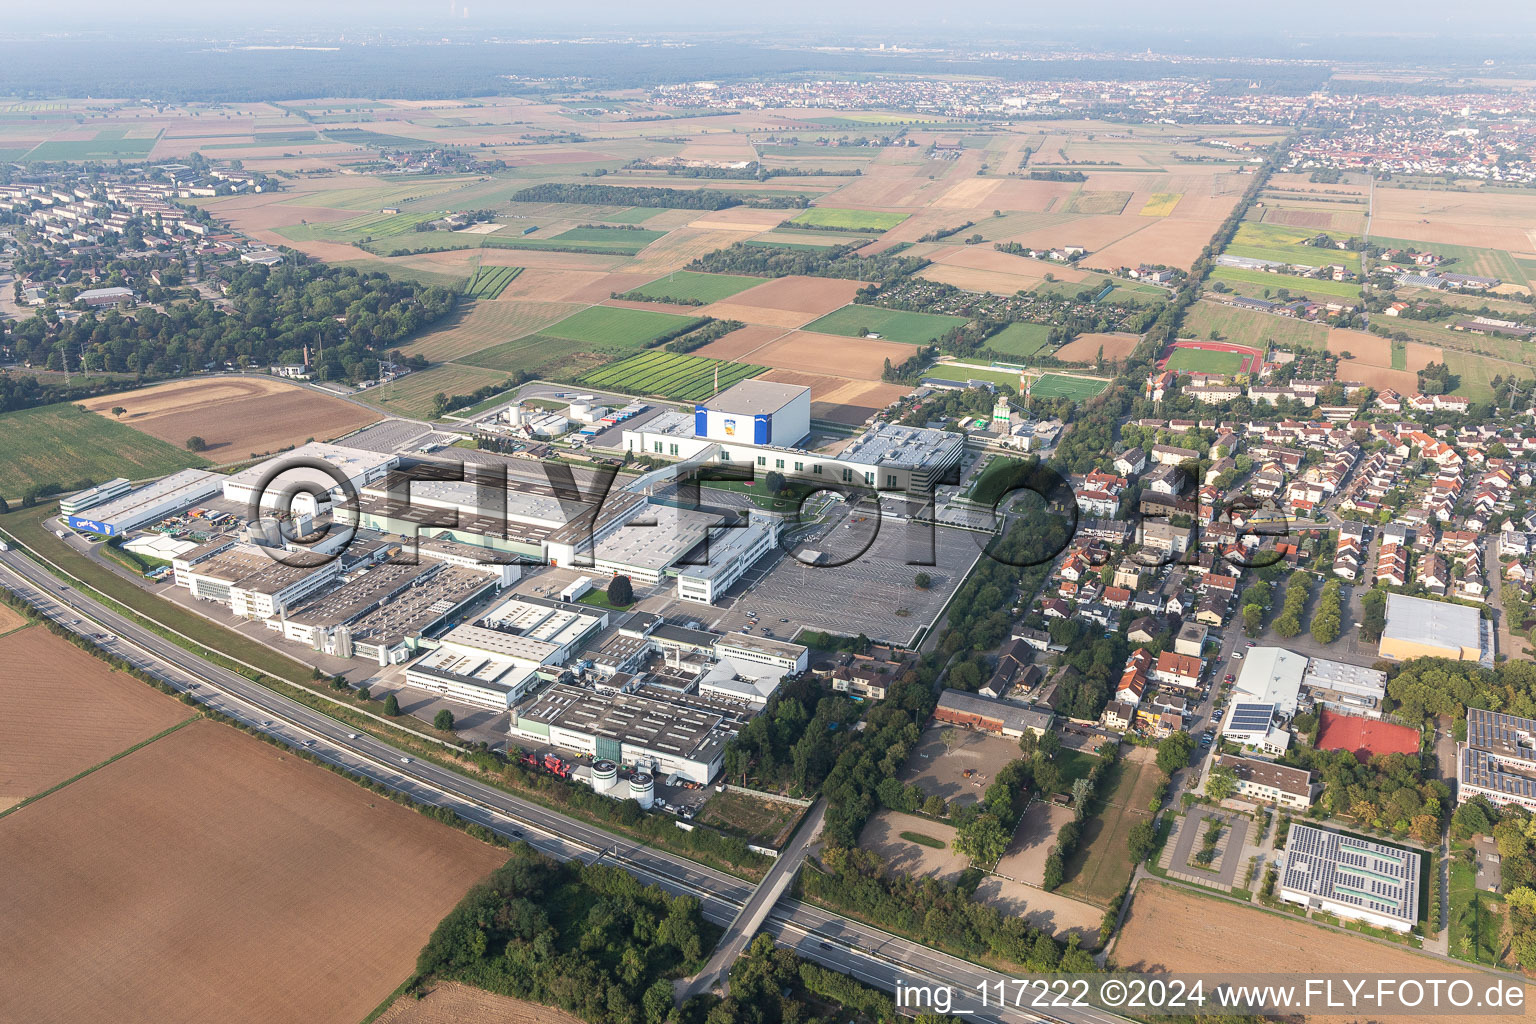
1252	717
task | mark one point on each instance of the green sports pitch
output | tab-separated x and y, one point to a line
1201	360
1059	385
856	321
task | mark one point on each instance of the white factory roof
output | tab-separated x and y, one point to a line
755	397
673	533
194	484
352	463
889	444
1271	675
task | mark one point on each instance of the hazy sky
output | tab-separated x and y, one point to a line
1201	17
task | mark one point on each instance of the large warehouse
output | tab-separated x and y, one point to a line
354	465
1417	628
148	504
1351	878
756	411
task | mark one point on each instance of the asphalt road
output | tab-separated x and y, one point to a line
873	956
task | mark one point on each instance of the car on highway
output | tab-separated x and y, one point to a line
826	945
351	735
266	723
405	760
518	833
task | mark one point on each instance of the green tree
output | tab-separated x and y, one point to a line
118	411
196	444
1253	619
620	591
443	720
922	581
391	706
983	839
774	481
1221	782
1173	752
1055	872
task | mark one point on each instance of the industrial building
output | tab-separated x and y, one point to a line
1350	877
1271	675
1417	628
652	732
305	485
1350	689
888	457
729	553
122	510
249	579
82	500
756	411
781	656
956	707
647	546
1498	759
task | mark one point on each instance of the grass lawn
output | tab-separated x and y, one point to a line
1477	917
1057	385
1074	765
1250	327
889	324
1021	340
634	215
1101	865
412	395
1253	283
1000	475
950	371
597	597
687	284
923	840
872	221
1205	361
616	328
788	500
59	444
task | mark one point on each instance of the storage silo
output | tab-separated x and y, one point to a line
643	788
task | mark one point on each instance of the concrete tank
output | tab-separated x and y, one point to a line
605	774
643	788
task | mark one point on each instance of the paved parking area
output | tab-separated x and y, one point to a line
1189	835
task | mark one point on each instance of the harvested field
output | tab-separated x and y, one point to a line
970	280
786	301
680	248
883	835
485	325
208	876
1161	204
740	218
872	221
1024	860
1491	220
236	416
411	396
451	1002
1171	929
741	342
66	711
839	400
1175	241
550	285
1372	360
10	618
1085	347
1098	202
856	358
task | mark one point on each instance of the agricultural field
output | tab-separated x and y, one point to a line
1199	360
1019	340
237	417
1284	244
1179	931
486	325
67	711
1466	259
688	285
860	321
452	1002
853	358
1258	284
411	396
671	375
1161	204
615	241
871	221
376	140
1086	348
60	444
1251	327
489	282
1098	203
617	328
109	144
209	876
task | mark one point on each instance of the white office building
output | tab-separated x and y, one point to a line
730	554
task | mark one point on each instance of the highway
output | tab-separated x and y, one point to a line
865	952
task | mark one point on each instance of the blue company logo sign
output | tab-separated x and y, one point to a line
79	523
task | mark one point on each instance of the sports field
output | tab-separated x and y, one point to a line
1059	385
683	377
1020	340
859	321
490	282
615	327
61	444
1206	361
872	221
689	285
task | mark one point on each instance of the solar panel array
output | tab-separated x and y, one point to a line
1341	869
1251	717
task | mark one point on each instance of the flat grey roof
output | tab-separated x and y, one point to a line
755	397
1438	623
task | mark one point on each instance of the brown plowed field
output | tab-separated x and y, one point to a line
1175	241
1085	347
1491	221
838	399
856	358
453	1003
740	342
65	711
741	218
235	415
1181	932
549	285
812	296
210	877
10	618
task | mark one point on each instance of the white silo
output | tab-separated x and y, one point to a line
643	788
605	774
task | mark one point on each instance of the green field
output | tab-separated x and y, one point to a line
1283	244
412	395
1250	327
1101	864
1253	283
872	221
951	371
59	444
1204	361
687	284
490	282
1470	260
615	327
1021	340
1098	203
107	145
686	378
538	354
854	321
1058	385
618	241
634	215
378	140
1477	917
